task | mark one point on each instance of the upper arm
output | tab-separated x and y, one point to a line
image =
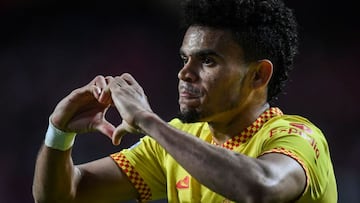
102	181
285	177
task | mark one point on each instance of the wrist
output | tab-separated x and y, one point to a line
58	139
144	119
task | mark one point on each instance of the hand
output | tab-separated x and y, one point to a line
84	109
130	100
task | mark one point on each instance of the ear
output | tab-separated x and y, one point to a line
262	74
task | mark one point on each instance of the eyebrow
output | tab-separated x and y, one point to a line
202	52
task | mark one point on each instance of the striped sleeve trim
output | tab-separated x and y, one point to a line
134	177
293	156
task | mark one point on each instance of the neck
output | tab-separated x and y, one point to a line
232	123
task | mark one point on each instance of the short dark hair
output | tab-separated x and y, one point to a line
265	29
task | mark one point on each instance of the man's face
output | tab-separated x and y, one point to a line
211	80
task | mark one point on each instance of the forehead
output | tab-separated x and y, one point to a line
200	37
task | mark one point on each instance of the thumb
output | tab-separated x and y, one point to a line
106	128
121	130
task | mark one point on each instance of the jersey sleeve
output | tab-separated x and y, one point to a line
305	143
142	164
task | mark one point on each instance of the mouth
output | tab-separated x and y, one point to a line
189	91
189	95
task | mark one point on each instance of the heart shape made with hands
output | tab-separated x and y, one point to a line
85	108
123	128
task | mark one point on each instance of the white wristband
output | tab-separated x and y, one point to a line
58	139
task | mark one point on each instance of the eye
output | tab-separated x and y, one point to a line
208	61
184	59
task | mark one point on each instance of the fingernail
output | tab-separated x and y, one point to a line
98	89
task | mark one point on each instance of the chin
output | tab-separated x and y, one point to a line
189	116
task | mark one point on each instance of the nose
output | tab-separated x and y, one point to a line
188	72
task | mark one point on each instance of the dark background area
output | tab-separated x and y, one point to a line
48	48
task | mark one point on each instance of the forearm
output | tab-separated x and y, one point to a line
54	176
225	172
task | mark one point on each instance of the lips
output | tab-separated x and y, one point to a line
189	96
189	92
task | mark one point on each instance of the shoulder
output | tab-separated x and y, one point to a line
302	140
292	125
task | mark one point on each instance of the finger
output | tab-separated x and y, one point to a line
121	130
106	128
130	80
116	139
100	81
96	85
109	79
96	91
119	81
105	96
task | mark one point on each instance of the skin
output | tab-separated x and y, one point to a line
215	83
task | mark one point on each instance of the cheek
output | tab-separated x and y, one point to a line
211	84
224	84
228	90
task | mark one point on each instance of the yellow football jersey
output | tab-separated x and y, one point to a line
156	175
